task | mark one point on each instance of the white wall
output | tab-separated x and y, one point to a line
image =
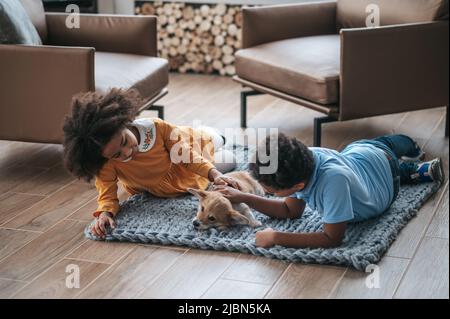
116	6
127	6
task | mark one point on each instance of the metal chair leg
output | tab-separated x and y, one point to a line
446	122
318	121
159	109
244	95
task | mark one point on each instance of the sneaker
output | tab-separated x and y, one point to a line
431	171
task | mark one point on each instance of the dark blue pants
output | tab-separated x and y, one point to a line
396	146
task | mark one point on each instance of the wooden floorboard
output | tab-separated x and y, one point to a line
190	276
132	274
13	204
54	208
377	283
428	274
439	225
307	281
35	257
53	283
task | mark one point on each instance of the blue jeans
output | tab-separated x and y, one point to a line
396	146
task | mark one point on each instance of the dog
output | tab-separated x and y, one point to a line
215	210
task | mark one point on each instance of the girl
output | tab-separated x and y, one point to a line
102	140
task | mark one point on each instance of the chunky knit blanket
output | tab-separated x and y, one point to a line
144	218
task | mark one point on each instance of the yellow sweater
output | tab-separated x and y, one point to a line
152	169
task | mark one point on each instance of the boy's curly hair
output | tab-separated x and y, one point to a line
295	164
95	119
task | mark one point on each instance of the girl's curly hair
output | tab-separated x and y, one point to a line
95	119
295	163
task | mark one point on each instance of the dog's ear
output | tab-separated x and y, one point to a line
235	218
197	193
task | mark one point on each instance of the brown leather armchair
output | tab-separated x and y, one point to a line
322	56
38	82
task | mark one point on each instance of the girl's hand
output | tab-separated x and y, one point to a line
265	238
234	195
219	179
99	227
226	180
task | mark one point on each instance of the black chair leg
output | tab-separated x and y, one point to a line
446	122
244	95
318	121
159	109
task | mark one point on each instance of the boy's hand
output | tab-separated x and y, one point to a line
99	227
265	238
234	195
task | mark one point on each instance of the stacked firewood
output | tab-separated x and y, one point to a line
196	38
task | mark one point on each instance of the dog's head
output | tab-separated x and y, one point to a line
214	210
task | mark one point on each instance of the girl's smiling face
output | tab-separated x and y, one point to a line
122	146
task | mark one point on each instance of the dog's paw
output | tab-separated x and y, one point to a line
255	223
222	228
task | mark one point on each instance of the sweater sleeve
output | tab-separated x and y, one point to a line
184	148
106	184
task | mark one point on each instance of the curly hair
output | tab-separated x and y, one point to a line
295	164
94	120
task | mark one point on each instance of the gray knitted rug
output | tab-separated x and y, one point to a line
144	218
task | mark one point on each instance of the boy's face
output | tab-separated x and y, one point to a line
283	192
122	146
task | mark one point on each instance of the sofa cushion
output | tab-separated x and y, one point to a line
35	10
15	25
352	14
147	74
305	67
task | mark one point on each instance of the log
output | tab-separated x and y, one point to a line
230	70
175	42
232	29
198	19
217	20
217	64
216	30
205	25
228	59
173	51
227	50
220	9
219	40
188	13
204	10
171	20
215	52
227	19
238	19
162	19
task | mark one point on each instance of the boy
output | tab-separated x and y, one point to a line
359	183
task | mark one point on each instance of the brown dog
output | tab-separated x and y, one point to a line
214	210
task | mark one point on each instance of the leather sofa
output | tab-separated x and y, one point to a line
323	56
38	82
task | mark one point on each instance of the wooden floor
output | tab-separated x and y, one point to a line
43	212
